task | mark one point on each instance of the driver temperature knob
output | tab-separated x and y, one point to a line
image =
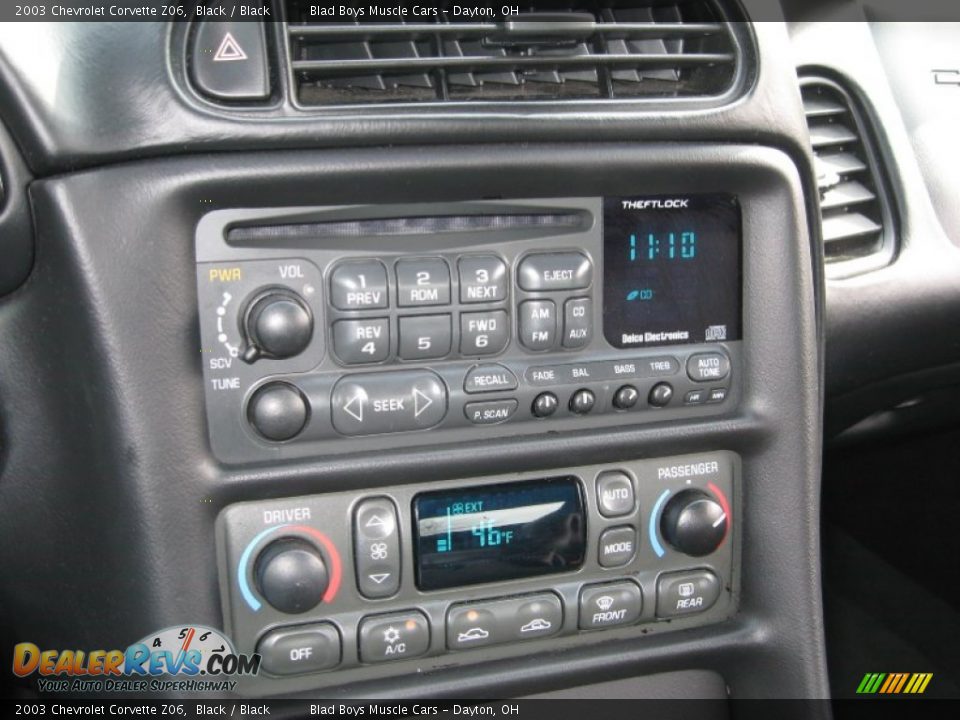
278	324
291	574
693	523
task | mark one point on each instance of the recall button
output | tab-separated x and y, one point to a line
387	402
489	378
705	367
490	412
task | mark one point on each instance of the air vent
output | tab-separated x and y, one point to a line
623	50
856	220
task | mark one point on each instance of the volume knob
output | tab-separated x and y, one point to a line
694	523
291	575
278	325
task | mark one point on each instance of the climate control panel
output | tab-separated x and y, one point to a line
349	586
330	329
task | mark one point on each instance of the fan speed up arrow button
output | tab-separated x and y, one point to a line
376	403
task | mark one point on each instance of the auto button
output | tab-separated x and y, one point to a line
376	403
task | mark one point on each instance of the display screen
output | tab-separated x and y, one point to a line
498	532
671	270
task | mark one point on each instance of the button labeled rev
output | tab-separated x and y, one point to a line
361	341
376	539
388	402
394	637
302	649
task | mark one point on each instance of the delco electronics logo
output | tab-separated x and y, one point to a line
177	652
657	204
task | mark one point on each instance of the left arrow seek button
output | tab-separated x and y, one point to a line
229	60
376	403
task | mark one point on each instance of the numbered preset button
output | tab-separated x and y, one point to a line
484	333
483	278
376	538
423	282
359	285
362	341
426	336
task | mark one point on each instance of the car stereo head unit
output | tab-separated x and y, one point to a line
325	330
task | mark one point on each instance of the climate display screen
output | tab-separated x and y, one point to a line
498	532
671	270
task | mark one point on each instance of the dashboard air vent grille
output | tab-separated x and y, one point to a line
634	49
854	212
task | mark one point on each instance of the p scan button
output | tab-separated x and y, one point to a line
301	649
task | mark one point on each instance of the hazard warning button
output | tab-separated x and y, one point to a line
229	59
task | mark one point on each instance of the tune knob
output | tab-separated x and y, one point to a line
291	574
693	523
278	324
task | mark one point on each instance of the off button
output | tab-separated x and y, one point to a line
387	402
301	649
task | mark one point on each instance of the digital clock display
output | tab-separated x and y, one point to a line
671	270
498	532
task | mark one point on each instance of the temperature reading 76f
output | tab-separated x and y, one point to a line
489	535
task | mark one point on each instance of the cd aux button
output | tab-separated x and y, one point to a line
577	323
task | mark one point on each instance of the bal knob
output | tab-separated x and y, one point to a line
278	325
291	575
694	523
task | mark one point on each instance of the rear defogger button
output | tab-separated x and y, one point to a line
376	403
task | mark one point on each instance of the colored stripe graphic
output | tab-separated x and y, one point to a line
894	683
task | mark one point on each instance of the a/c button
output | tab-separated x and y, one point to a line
301	649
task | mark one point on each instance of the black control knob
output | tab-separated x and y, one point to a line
545	405
278	325
278	411
660	395
626	397
582	402
291	574
693	523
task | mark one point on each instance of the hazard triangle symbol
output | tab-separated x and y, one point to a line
229	50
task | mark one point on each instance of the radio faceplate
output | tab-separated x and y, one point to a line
329	330
544	561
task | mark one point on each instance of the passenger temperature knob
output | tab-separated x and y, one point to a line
694	523
291	574
278	324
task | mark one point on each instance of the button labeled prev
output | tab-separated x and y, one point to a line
375	403
376	538
359	285
300	649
